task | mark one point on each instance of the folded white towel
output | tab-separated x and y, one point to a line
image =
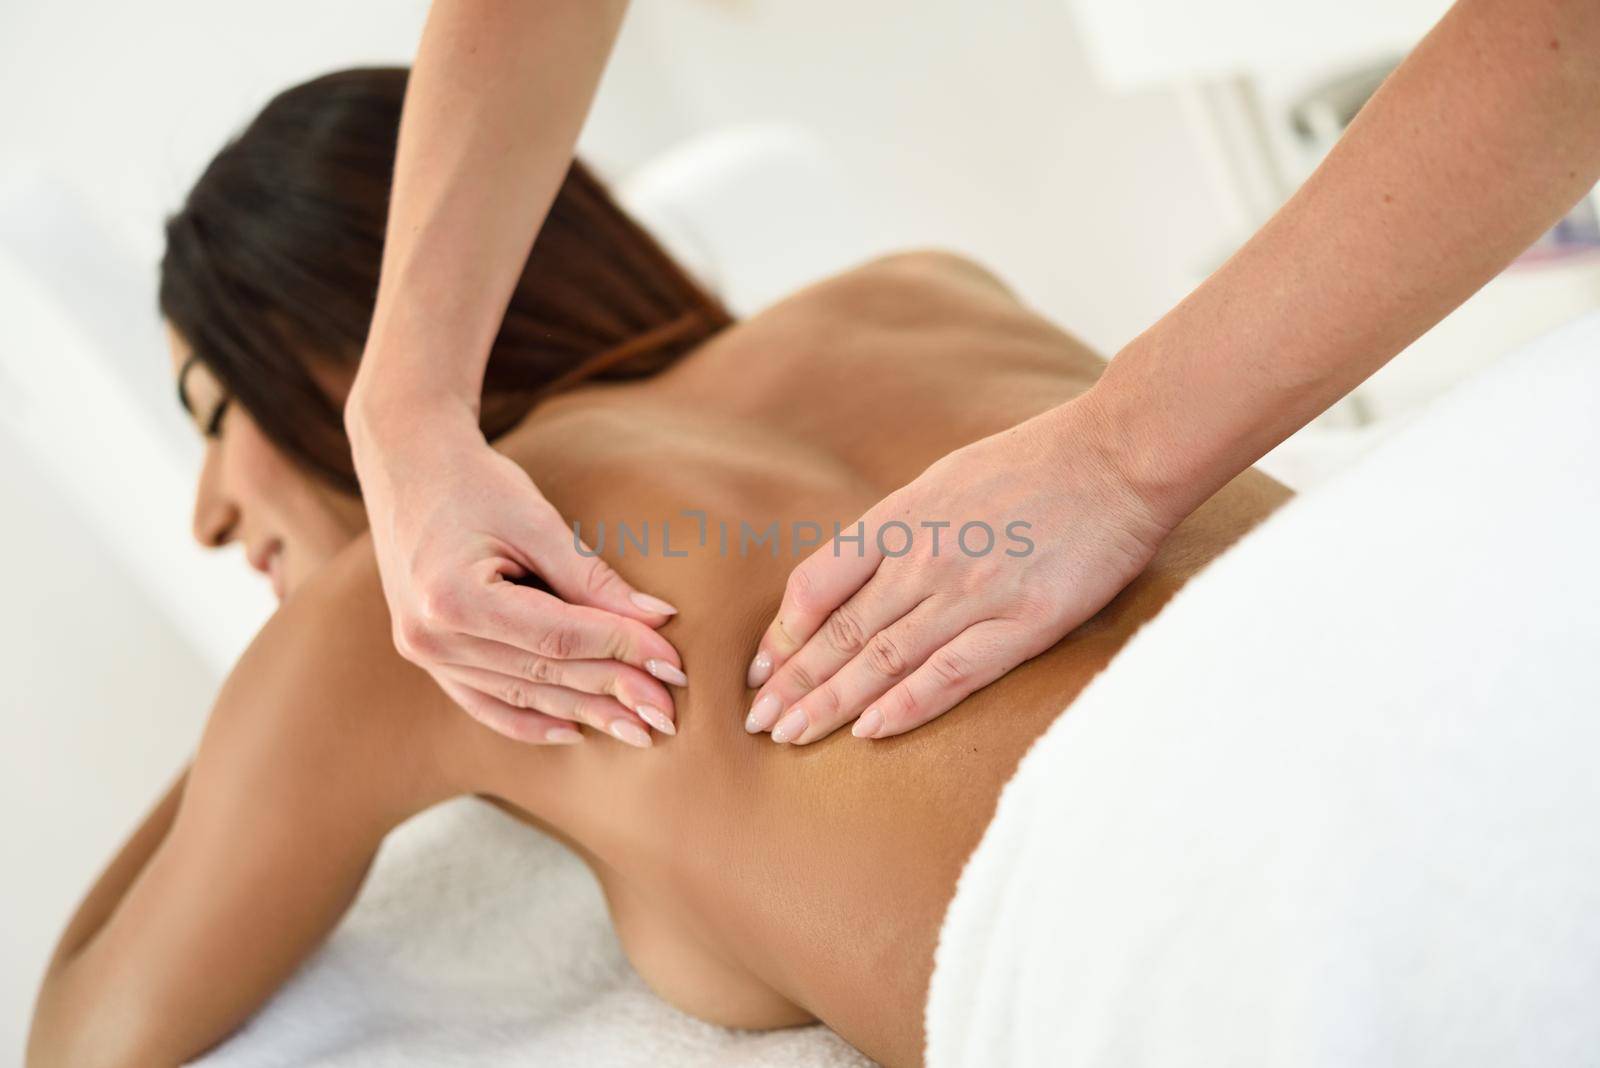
477	941
1337	805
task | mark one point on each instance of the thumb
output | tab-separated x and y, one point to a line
578	576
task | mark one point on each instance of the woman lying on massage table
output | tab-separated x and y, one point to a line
751	884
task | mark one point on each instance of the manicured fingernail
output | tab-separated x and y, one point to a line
763	714
656	718
791	726
626	730
666	672
868	726
563	736
652	604
760	670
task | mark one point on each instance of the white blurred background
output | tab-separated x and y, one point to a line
1102	155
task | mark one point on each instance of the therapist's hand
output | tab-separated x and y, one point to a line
453	523
898	640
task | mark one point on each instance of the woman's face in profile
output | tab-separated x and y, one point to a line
289	523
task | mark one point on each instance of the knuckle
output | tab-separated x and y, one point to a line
799	678
1033	606
885	657
414	638
950	668
823	706
598	578
588	709
604	709
782	637
559	643
801	588
620	645
843	631
538	669
517	695
898	707
442	607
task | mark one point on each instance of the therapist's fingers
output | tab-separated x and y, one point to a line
842	636
547	626
965	664
570	567
589	580
631	687
518	724
602	712
887	657
820	584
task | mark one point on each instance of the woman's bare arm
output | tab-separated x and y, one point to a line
320	742
113	883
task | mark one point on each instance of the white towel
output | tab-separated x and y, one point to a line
1338	804
477	941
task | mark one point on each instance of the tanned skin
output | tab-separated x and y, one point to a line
752	884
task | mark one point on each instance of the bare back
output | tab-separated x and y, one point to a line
772	878
752	884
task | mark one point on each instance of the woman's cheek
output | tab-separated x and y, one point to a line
255	469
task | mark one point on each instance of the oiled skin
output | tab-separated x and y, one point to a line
752	884
823	871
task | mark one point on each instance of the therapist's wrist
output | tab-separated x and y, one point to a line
386	414
1138	445
404	372
1084	445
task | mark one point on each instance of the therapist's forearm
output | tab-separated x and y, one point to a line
497	97
1477	144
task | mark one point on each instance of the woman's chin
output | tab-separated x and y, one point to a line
278	576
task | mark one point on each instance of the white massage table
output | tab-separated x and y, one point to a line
477	942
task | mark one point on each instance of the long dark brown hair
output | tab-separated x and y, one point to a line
271	269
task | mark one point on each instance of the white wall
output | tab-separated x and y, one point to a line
972	125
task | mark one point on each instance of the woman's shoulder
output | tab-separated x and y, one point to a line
336	621
916	316
913	276
931	262
904	293
936	266
322	676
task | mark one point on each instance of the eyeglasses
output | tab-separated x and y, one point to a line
202	396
